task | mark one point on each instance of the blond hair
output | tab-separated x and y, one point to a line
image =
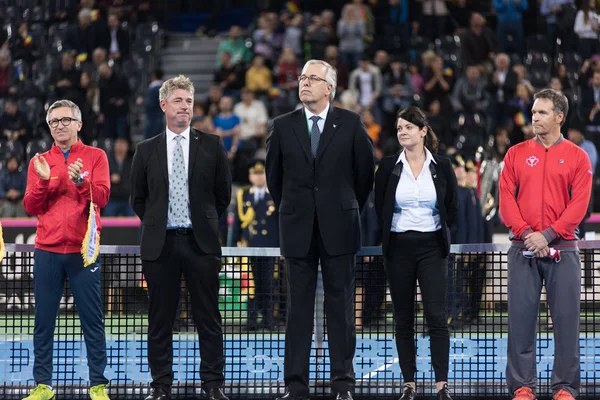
170	85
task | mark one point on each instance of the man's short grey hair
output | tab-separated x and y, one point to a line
85	12
65	103
170	85
330	75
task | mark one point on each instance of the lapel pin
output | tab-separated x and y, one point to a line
334	126
561	161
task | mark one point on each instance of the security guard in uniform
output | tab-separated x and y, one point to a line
256	224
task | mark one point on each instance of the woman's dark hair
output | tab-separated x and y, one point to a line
415	116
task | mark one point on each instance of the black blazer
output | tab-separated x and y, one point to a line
334	186
386	182
209	190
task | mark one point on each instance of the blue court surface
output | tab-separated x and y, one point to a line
474	359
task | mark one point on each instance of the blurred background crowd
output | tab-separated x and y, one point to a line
472	65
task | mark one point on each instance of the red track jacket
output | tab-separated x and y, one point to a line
545	190
61	206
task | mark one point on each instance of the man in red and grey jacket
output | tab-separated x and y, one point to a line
60	185
545	188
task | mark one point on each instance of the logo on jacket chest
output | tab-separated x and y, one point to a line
532	161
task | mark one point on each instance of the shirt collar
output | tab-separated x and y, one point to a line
428	157
171	135
323	113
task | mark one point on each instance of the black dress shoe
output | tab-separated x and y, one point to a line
444	394
292	396
159	394
215	394
408	393
344	396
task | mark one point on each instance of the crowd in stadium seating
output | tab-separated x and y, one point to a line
476	83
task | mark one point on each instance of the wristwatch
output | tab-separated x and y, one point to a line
79	180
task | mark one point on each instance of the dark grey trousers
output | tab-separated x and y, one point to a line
563	289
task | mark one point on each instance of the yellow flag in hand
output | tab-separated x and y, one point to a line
91	242
2	247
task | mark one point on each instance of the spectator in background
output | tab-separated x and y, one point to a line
14	124
365	83
155	121
286	74
373	129
236	46
586	27
509	17
201	121
521	72
576	134
12	189
438	83
470	92
434	17
116	40
479	43
8	83
333	58
227	126
317	36
114	105
502	86
23	46
64	81
293	35
229	76
267	41
253	117
460	13
351	31
99	57
259	77
440	125
557	14
119	164
366	15
89	104
81	40
521	114
590	102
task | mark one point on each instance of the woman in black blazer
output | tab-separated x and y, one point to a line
415	200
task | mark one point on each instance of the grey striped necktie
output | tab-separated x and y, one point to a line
315	135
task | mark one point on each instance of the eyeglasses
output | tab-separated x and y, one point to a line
65	121
312	79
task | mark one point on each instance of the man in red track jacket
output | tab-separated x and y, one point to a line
545	188
60	185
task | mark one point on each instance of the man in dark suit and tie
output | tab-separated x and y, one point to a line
320	169
180	185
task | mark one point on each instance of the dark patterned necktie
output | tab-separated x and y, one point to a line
315	135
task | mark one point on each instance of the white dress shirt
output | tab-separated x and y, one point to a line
259	193
416	206
185	146
114	43
320	123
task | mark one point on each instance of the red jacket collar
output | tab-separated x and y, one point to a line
78	145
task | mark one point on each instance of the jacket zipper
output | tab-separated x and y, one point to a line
544	189
63	206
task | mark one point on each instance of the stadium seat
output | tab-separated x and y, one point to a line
539	67
449	47
539	44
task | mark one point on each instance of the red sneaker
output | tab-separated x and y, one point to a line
524	393
563	395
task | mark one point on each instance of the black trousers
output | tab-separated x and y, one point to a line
181	255
339	286
413	256
263	269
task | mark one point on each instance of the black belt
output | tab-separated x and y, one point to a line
180	231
